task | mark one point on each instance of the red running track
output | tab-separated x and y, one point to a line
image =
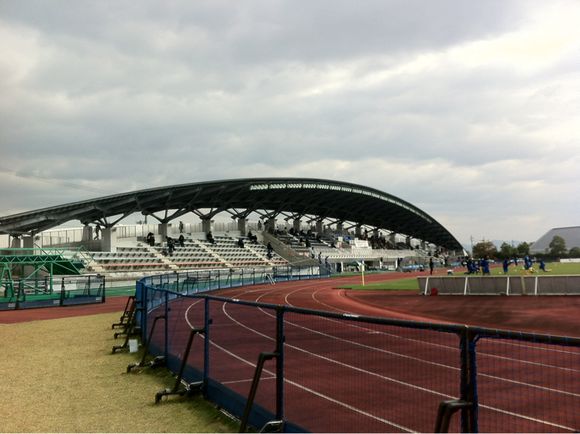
349	376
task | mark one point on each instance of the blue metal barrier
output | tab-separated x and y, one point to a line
323	371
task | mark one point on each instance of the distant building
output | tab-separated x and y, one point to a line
571	236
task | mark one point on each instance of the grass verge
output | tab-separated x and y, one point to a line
406	284
60	376
556	268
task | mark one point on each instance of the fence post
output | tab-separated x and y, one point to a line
104	294
474	420
280	363
144	303
468	392
206	366
166	331
62	292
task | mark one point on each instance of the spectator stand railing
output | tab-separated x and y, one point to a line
60	291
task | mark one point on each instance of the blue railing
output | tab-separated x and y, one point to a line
305	370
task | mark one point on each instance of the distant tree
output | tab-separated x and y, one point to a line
506	251
557	246
574	252
523	249
484	248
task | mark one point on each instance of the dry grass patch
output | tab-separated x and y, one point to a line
60	376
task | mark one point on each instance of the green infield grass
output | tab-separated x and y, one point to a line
406	284
557	268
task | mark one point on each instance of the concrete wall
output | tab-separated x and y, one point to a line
501	285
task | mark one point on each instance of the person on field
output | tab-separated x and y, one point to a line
542	265
431	265
506	264
485	266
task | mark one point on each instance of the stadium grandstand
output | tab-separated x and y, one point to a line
266	222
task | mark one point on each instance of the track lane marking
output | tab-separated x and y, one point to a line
499	410
482	405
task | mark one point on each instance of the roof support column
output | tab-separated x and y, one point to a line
296	225
358	231
339	228
109	239
162	230
242	225
206	225
28	242
392	238
15	243
319	228
87	232
408	241
271	225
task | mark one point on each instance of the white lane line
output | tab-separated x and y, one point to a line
494	377
248	380
481	353
367	347
389	378
300	386
408	384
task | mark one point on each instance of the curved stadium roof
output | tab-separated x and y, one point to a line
295	197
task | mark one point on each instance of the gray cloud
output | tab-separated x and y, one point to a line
467	110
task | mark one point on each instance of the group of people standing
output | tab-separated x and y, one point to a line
528	264
477	266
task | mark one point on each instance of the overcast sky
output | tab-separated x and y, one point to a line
468	110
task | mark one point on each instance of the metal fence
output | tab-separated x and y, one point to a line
62	291
303	370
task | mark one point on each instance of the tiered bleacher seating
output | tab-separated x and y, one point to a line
128	259
195	254
294	243
191	255
252	254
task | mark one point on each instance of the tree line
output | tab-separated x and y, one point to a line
557	249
